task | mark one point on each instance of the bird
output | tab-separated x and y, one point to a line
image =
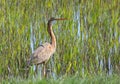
43	53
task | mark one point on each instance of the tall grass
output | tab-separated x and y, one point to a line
67	80
87	43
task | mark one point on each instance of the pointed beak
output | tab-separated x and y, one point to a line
61	19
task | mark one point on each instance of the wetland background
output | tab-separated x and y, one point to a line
87	44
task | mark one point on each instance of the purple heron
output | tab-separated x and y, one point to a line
43	53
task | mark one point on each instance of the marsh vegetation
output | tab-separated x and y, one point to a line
87	44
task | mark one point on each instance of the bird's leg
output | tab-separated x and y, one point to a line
36	70
44	69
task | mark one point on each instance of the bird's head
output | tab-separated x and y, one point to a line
53	19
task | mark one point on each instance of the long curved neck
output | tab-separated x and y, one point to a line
51	33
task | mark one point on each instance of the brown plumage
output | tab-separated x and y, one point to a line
43	53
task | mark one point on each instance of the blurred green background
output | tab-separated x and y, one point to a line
87	44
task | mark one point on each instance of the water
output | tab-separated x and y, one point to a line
101	64
32	38
54	75
109	66
78	22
